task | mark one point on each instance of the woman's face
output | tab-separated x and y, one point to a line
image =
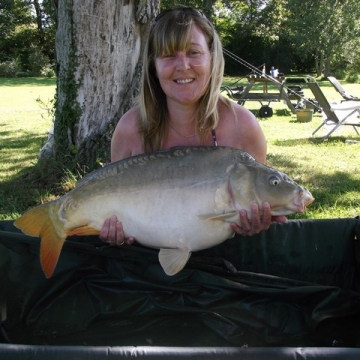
185	75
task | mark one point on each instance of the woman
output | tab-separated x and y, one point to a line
180	105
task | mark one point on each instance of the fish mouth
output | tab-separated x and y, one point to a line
298	205
305	200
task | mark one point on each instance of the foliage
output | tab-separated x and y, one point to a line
27	35
292	35
9	68
323	29
204	5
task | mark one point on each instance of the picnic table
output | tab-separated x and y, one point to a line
265	96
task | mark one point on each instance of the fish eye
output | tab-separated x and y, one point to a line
274	180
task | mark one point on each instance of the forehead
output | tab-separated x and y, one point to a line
198	37
178	37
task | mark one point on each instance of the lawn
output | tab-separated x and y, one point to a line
23	129
328	169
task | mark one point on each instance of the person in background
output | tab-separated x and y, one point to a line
180	104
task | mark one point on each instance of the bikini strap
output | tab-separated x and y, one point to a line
214	136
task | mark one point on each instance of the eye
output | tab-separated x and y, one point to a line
194	52
274	180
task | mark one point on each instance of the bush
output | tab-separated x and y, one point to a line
352	77
47	71
9	68
339	73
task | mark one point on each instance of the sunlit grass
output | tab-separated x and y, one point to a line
329	169
23	130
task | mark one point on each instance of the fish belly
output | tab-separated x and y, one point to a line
173	219
163	218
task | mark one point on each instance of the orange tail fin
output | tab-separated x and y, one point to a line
36	222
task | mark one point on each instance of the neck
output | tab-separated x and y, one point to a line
182	121
182	133
181	114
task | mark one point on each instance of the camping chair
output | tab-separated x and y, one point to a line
335	114
341	90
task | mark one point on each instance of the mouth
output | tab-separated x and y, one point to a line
305	200
184	81
298	205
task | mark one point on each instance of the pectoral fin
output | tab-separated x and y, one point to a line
173	260
232	216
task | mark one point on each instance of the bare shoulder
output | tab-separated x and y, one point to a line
129	121
240	128
126	140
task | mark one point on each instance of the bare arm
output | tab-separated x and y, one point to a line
125	142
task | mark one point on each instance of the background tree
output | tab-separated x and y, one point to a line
323	29
98	48
27	34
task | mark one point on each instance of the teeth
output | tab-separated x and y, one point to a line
184	81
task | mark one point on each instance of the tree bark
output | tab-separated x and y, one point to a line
98	46
327	70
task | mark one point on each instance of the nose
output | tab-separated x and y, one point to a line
182	61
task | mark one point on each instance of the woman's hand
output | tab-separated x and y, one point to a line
259	222
112	232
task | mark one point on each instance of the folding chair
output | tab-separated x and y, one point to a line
341	90
335	114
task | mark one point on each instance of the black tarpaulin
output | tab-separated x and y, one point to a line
295	285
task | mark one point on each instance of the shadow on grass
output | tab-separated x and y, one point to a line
22	183
333	194
331	191
277	112
283	112
27	142
30	187
280	161
312	140
30	81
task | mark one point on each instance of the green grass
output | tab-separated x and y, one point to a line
330	169
23	131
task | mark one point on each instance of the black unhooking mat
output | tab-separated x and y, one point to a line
296	285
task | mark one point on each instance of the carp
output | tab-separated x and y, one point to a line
178	201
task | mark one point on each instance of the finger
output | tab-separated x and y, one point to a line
266	216
256	225
120	237
129	241
244	221
112	229
104	232
236	228
279	219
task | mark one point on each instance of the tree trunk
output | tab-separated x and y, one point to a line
98	46
319	63
327	70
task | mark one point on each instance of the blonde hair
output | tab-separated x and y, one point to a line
171	32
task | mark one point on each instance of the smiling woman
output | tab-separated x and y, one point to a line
180	105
